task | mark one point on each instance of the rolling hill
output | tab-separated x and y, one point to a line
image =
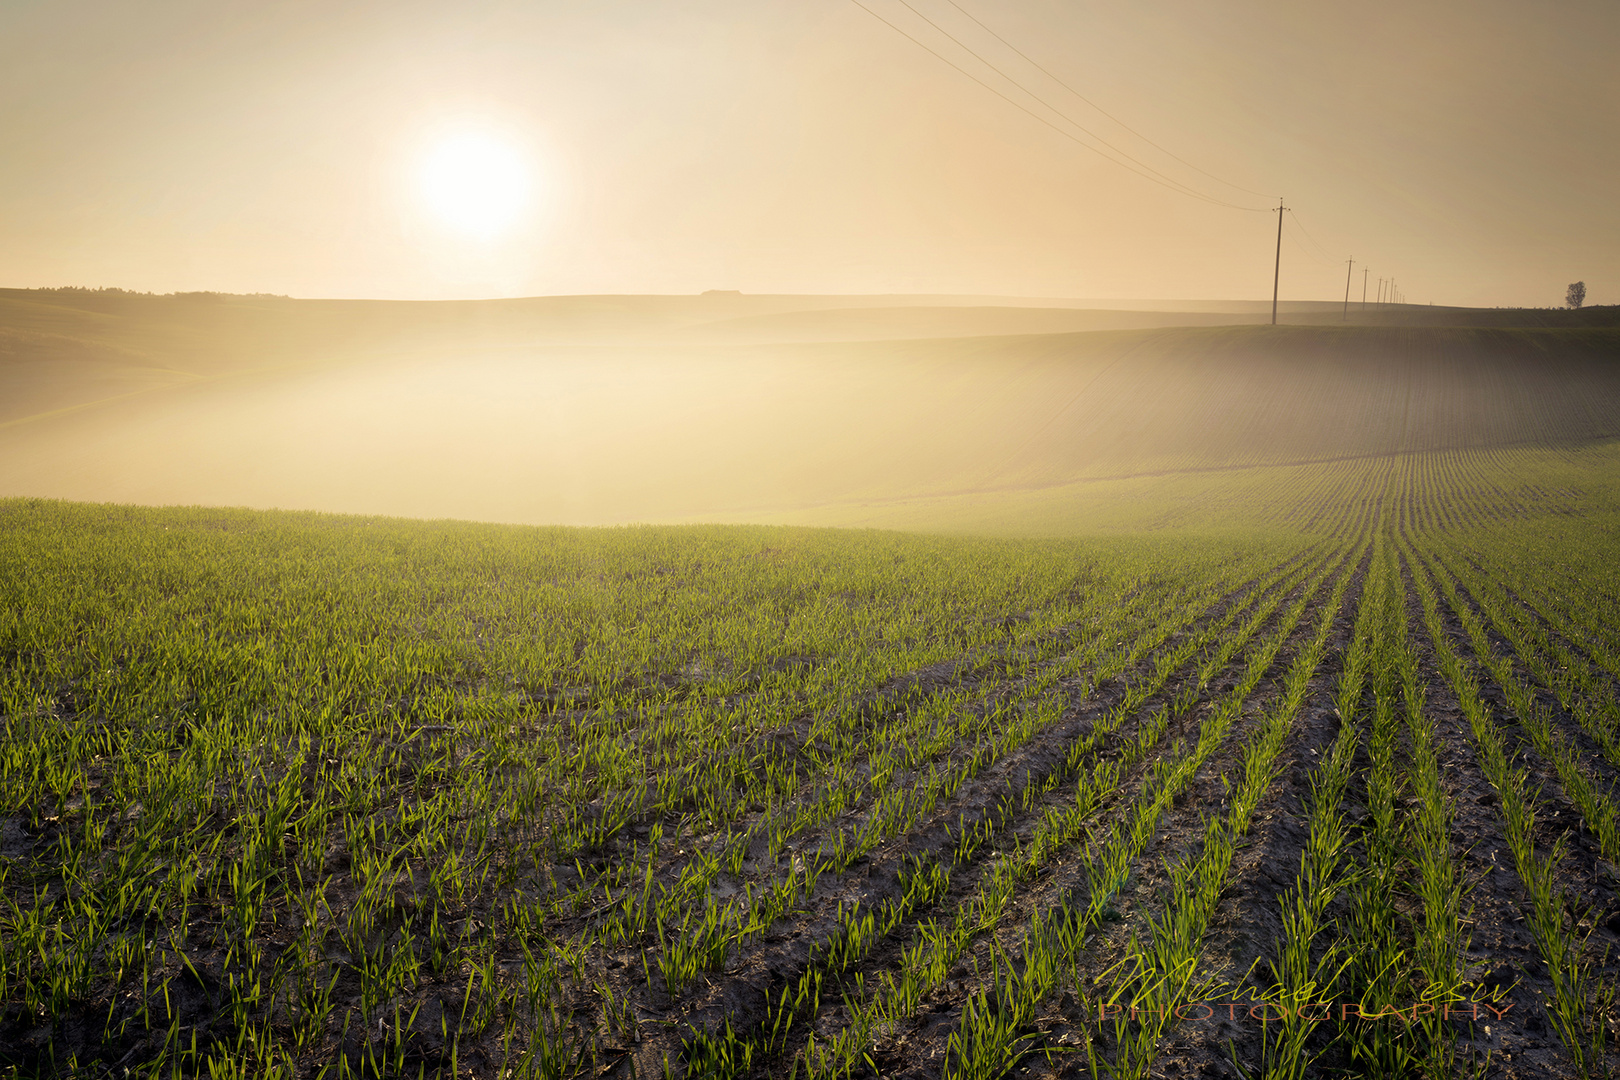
600	409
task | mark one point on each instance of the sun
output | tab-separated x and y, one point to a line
478	183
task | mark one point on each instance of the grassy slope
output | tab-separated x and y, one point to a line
1551	479
276	788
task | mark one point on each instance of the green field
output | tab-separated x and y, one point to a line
1202	699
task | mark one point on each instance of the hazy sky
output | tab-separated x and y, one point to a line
1470	150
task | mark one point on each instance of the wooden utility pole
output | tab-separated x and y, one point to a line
1364	270
1276	271
1349	264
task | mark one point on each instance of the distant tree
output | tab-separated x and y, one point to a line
1576	295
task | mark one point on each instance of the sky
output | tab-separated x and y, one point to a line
1468	151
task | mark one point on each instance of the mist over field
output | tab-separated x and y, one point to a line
612	410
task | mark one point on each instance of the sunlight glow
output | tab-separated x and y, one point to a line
476	182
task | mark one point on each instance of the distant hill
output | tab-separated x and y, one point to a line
1167	400
603	409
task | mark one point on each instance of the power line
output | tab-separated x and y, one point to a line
1145	171
1330	256
964	46
1094	105
1109	151
1294	234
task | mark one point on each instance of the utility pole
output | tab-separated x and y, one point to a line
1380	300
1276	271
1364	290
1349	264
